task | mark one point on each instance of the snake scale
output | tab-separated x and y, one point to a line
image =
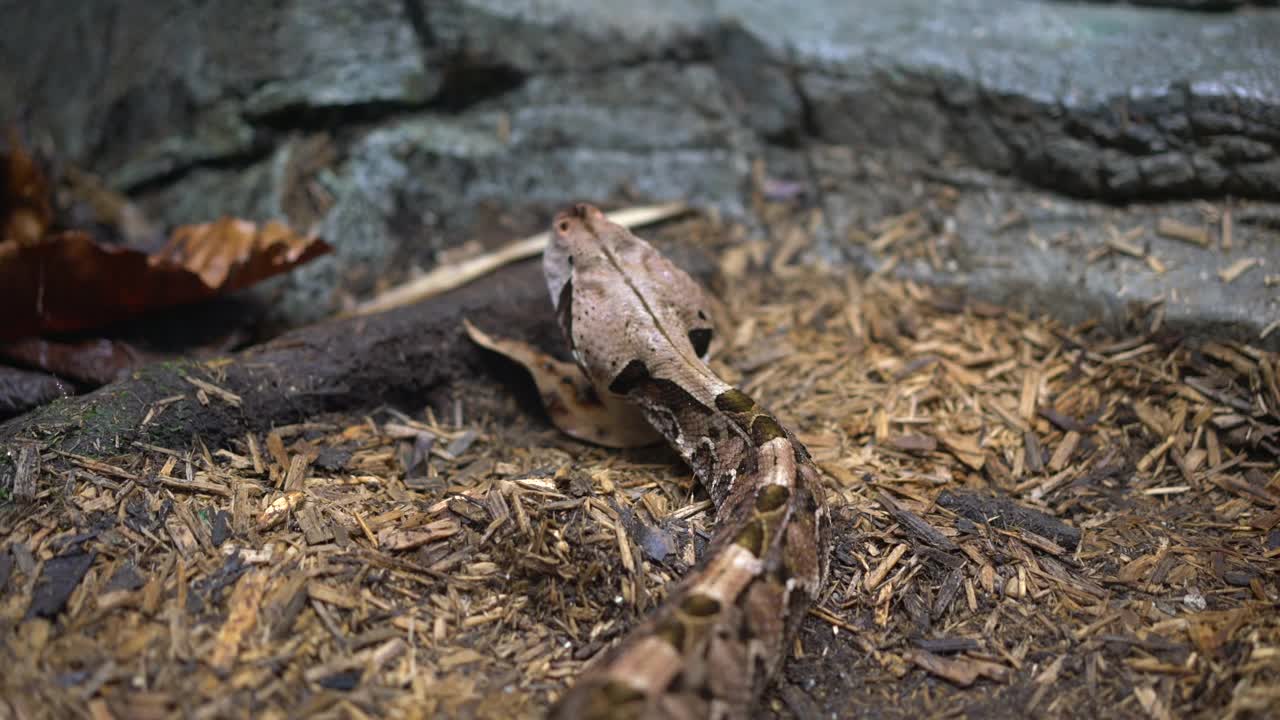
640	327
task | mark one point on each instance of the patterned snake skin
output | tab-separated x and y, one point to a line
639	327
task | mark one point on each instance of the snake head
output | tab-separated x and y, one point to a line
572	240
619	301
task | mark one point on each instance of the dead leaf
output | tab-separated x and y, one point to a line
572	403
69	281
230	254
72	279
26	208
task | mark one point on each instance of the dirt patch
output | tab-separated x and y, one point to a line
466	560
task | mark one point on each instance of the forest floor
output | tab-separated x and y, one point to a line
1031	519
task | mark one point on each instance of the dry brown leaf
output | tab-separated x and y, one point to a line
75	279
229	253
26	207
569	399
69	281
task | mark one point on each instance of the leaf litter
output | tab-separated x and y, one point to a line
85	259
1031	518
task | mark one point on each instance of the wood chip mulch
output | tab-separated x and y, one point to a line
1031	519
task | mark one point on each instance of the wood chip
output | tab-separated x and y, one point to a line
1030	389
194	485
275	446
280	508
183	539
243	606
1177	230
915	525
317	590
965	449
877	576
223	394
26	475
958	672
392	538
296	475
1229	273
313	526
1124	243
912	443
1062	455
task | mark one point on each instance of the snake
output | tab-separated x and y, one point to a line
640	328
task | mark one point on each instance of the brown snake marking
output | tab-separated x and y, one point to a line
640	327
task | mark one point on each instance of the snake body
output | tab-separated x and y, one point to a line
639	327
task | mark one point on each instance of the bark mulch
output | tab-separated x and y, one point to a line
1031	519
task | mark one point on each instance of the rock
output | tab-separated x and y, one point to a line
399	126
1197	4
162	88
1098	100
1002	242
564	35
1113	102
413	184
656	131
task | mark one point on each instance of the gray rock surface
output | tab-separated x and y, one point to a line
141	90
1207	5
1076	259
432	113
1117	103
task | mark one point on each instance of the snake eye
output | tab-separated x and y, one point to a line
700	338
